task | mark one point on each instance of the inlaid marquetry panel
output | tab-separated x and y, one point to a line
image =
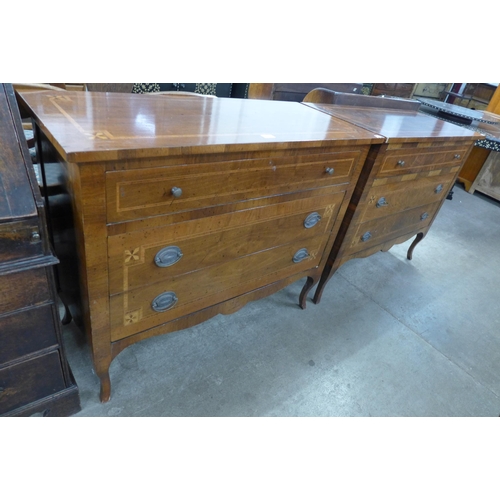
132	312
416	159
387	199
374	232
210	241
140	193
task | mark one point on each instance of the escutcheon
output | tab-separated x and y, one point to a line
300	255
311	220
164	301
382	203
168	256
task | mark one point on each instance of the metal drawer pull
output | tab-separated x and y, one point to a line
329	170
424	216
300	255
439	188
401	163
457	157
168	256
177	192
382	203
311	220
366	236
164	302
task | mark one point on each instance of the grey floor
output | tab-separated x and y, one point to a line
391	337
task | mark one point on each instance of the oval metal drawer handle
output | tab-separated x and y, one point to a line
382	203
176	191
439	188
366	236
164	301
457	157
424	216
311	220
401	163
300	255
329	170
168	256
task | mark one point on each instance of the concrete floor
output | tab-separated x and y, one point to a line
391	337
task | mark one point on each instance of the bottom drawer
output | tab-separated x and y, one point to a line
375	232
134	311
26	332
30	381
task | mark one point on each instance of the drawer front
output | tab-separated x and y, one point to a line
23	289
30	381
391	199
145	257
134	194
402	160
377	231
26	332
132	312
20	240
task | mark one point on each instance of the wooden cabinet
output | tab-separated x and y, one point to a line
187	208
403	183
472	95
430	90
404	90
296	91
34	374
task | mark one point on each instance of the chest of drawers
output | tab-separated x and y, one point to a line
34	374
185	209
403	184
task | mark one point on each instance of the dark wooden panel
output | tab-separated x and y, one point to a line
29	381
16	197
26	332
23	289
20	240
61	404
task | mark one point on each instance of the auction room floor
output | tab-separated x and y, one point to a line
391	337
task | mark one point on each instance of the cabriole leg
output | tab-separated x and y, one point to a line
416	241
305	290
102	371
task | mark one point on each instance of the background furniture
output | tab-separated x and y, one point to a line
403	183
431	90
34	374
326	96
296	91
471	95
481	170
192	208
215	89
404	90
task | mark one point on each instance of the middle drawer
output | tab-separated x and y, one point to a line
141	258
391	198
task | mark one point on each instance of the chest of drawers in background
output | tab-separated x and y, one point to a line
402	187
34	374
187	208
295	91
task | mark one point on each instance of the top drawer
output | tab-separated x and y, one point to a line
422	157
20	239
134	194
